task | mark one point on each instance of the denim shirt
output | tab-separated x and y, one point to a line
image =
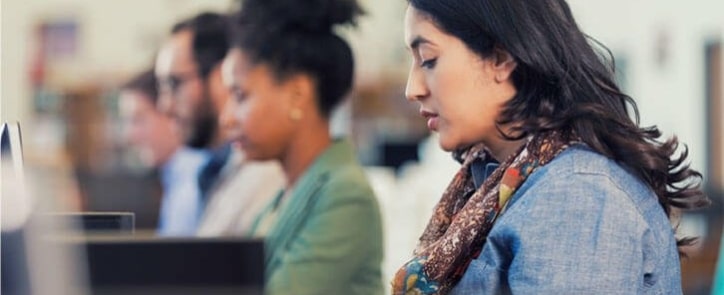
580	225
181	203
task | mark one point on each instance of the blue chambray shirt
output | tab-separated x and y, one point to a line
580	225
181	205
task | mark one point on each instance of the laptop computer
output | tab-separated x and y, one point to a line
99	222
150	265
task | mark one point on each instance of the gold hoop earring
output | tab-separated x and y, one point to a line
295	114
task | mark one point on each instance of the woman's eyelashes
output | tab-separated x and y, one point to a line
428	63
239	95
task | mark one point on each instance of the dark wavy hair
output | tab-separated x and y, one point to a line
292	37
564	83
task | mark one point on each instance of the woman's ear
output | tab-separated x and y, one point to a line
504	64
302	97
302	89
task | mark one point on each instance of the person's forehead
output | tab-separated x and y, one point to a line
237	64
228	69
177	53
128	105
134	99
243	62
419	27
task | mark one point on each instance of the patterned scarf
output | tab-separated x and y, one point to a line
457	231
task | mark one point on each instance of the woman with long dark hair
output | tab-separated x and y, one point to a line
560	190
287	72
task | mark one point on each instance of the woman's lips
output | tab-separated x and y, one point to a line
237	145
239	142
432	119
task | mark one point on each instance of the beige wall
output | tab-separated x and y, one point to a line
116	38
119	37
671	95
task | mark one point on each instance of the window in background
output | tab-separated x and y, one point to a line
715	122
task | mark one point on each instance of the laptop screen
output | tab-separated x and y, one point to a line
97	222
148	265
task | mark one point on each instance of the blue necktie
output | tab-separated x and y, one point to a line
210	173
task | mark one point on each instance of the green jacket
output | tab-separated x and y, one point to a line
328	237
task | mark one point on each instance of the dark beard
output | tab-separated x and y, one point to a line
204	124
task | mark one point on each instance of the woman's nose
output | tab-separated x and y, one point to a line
416	88
227	119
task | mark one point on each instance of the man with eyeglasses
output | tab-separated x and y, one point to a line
188	69
156	137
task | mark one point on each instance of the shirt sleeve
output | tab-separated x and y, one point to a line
585	238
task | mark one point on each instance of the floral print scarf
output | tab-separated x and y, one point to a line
459	226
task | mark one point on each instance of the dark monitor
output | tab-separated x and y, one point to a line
15	274
28	266
5	142
15	278
104	222
396	154
128	265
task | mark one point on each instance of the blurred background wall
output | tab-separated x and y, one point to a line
62	61
659	46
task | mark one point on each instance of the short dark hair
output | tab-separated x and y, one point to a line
210	40
145	83
293	37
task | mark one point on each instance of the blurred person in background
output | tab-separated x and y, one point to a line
287	72
156	137
560	191
152	133
188	69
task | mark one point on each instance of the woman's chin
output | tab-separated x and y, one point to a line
254	156
447	145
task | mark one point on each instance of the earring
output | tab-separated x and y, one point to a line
295	114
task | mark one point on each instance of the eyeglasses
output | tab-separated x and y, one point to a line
174	82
